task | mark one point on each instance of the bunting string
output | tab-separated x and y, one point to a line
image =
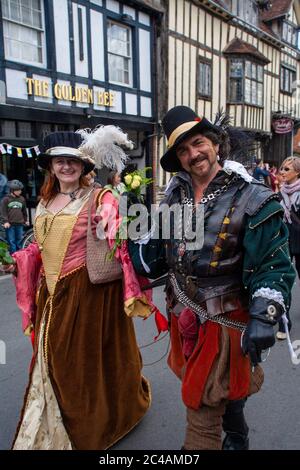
21	152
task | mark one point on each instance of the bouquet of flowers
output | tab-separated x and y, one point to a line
5	257
135	182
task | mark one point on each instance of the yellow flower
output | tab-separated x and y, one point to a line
137	178
135	184
128	179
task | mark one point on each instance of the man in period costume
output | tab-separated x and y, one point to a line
224	298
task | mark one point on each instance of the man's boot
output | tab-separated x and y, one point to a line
235	441
235	426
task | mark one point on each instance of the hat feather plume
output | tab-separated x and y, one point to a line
104	144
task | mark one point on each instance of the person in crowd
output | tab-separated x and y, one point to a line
290	201
14	213
274	179
85	388
115	183
91	179
225	297
260	172
4	190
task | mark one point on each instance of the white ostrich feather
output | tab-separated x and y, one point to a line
104	145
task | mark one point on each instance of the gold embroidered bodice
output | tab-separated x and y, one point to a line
53	233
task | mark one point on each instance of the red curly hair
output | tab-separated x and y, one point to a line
50	186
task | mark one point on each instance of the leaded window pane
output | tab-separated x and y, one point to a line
246	82
248	91
260	94
248	69
236	68
204	86
236	91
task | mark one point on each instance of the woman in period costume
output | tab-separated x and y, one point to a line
290	201
85	389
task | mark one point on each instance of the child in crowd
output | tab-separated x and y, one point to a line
14	215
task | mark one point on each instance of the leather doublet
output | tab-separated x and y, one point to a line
213	275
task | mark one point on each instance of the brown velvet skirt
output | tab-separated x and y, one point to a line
94	362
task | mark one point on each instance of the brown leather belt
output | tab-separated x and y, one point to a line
209	293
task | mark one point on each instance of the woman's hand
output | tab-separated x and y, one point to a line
8	268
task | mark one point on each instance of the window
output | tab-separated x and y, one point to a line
289	33
8	129
119	53
236	80
287	77
204	79
24	130
23	30
246	81
246	10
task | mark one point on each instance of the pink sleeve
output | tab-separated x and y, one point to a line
28	268
110	217
136	302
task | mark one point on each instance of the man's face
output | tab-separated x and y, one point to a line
198	156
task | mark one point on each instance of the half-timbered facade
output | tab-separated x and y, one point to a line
68	64
239	55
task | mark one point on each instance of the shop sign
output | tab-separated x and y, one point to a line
69	93
282	125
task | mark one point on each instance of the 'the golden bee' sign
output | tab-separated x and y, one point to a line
69	93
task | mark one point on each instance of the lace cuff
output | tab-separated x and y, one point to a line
270	294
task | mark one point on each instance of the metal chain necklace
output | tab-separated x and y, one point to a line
72	194
211	196
189	202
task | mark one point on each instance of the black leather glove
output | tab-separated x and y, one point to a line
259	333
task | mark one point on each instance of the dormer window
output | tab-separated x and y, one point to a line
245	73
246	10
289	33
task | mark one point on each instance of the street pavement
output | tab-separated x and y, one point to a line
273	414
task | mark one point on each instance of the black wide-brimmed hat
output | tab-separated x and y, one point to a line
64	144
179	123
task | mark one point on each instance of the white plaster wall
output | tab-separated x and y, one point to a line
146	106
145	60
131	104
81	66
62	36
113	5
97	45
16	86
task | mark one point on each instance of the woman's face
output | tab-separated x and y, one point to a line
66	170
117	179
288	174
